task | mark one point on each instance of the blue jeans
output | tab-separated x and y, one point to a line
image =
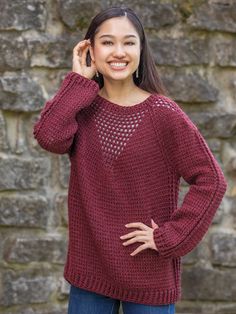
82	301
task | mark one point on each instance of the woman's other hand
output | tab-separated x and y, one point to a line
79	60
144	235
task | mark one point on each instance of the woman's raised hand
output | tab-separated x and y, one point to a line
79	60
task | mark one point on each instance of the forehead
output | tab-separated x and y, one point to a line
117	27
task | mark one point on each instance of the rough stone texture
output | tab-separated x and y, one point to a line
229	156
26	173
61	209
50	248
193	44
46	51
10	58
64	164
22	14
59	309
191	257
188	86
206	283
200	307
15	124
19	92
233	211
215	15
24	211
215	124
214	144
223	249
225	52
3	138
155	15
219	216
180	52
27	286
78	13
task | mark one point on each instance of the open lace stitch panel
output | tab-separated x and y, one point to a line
115	131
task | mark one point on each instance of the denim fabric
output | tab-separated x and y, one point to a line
82	301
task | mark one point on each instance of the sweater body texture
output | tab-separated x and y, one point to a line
125	166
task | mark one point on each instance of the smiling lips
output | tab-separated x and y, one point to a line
118	66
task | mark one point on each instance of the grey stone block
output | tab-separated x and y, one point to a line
223	249
54	309
23	173
78	14
24	211
206	283
14	52
155	15
51	51
180	51
214	16
27	286
188	86
215	124
25	249
23	14
19	92
225	52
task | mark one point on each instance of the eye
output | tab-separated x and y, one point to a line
106	42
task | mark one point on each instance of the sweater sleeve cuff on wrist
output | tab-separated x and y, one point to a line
160	242
82	80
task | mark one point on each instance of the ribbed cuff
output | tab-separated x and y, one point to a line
160	242
82	80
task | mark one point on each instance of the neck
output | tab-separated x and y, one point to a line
117	91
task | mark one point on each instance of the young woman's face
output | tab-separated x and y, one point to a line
122	46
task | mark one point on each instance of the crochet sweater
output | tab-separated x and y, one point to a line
125	166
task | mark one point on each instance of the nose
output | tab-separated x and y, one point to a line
119	51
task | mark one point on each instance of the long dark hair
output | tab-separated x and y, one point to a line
148	79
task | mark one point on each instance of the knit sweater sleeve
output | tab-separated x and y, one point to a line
57	124
189	156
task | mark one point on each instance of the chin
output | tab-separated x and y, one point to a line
118	76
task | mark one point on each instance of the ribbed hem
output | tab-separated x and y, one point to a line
99	285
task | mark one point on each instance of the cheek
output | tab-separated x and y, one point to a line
101	53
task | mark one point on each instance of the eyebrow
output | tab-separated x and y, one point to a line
126	36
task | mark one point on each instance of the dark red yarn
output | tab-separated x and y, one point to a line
126	164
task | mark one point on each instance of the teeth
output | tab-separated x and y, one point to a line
118	64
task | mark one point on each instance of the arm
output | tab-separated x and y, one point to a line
189	155
57	124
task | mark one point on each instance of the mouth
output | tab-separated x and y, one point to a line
118	66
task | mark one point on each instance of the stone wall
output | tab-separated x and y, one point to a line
194	45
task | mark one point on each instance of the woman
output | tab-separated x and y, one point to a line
128	146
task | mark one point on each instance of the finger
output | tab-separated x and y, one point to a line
137	225
139	249
80	44
83	57
154	224
131	234
136	239
79	47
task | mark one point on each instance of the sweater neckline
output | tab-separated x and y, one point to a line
124	109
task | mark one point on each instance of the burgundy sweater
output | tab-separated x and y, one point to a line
126	165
